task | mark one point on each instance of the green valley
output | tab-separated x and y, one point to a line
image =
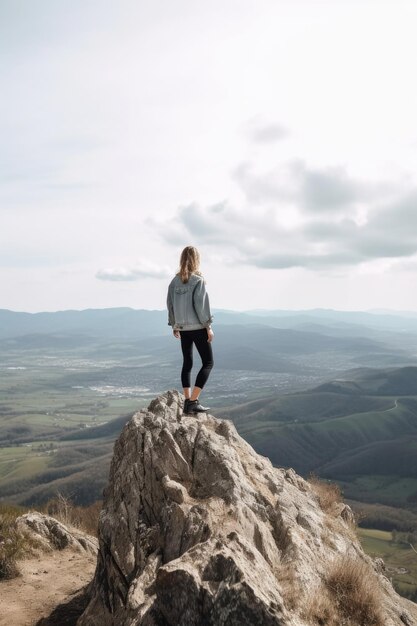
361	432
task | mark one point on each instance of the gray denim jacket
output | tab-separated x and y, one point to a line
188	304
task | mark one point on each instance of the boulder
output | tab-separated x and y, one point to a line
198	529
51	534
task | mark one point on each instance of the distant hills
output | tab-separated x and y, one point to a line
112	322
125	321
273	341
361	431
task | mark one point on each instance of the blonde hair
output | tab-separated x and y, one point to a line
189	263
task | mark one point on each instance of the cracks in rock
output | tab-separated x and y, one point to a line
151	511
258	542
151	484
195	446
142	521
143	459
143	511
118	568
179	413
194	522
108	589
147	479
281	532
180	550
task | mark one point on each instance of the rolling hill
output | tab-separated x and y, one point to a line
361	432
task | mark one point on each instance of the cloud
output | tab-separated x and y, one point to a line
313	190
202	221
264	133
327	189
194	221
296	216
144	270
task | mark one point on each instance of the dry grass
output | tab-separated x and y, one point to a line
320	610
350	596
356	590
290	586
13	545
327	537
84	518
337	526
339	517
328	493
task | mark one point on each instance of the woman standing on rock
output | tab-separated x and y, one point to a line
189	315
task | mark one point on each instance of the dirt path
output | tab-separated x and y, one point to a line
46	581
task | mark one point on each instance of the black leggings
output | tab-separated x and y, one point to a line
199	337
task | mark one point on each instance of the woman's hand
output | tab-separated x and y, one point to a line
176	333
210	335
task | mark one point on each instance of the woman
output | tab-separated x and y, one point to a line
189	315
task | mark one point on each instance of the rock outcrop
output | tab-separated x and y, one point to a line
196	528
51	534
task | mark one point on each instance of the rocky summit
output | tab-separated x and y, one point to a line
198	529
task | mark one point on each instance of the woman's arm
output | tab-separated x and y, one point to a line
202	304
171	317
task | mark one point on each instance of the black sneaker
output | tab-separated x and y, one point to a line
186	403
194	406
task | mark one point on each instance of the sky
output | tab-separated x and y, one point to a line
279	137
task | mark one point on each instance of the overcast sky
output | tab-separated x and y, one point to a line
277	136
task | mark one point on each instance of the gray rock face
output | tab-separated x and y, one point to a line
53	535
198	529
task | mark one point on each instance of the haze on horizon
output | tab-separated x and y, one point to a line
278	137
